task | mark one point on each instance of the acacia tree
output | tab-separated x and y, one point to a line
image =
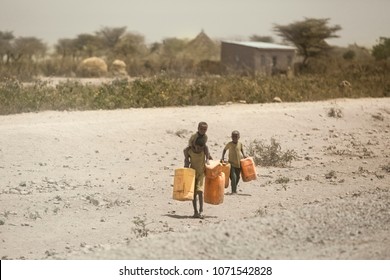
130	46
170	55
382	50
6	38
308	36
110	36
88	45
29	47
66	48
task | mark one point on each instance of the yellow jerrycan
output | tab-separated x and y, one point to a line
248	169
184	184
214	189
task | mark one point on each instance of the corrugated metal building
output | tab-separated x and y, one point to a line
257	57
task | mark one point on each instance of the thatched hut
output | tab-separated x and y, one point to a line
118	68
92	67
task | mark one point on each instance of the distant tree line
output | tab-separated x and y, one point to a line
26	57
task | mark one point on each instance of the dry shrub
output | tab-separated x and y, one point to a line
166	89
271	155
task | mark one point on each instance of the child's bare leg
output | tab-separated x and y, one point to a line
233	179
200	194
196	213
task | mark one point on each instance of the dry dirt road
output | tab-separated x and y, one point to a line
98	184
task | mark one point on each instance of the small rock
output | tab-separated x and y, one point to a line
277	99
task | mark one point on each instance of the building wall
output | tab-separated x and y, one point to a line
256	61
237	57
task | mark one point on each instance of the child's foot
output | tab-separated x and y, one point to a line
198	215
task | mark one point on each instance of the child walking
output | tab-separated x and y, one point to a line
196	155
236	153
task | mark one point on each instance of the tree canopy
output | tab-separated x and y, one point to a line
382	50
308	36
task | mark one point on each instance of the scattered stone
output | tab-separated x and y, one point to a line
277	99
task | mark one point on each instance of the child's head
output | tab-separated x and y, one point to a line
235	136
202	128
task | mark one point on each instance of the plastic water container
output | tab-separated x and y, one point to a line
226	171
214	189
248	169
213	169
184	184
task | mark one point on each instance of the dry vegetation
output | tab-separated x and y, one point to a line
165	90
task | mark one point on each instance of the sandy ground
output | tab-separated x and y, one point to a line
98	184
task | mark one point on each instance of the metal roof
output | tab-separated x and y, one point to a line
261	45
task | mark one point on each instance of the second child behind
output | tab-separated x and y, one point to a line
236	153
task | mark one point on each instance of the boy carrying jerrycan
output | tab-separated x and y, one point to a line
196	156
238	162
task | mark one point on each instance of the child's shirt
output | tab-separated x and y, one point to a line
234	153
192	143
197	163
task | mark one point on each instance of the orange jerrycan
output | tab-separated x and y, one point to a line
248	169
184	184
214	189
213	169
226	171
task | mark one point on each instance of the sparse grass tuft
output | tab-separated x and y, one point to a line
282	180
335	113
140	229
386	167
261	212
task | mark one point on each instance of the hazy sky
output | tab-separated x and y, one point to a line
362	21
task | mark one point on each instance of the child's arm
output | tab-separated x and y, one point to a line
223	155
242	151
186	157
207	154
